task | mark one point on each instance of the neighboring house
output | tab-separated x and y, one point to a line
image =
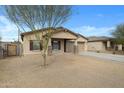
102	44
62	40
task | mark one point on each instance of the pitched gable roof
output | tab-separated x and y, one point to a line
82	36
56	29
98	38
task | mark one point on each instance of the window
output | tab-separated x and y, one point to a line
123	47
35	45
56	45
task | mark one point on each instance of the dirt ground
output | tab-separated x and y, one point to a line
64	70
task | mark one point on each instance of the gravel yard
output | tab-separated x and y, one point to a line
64	70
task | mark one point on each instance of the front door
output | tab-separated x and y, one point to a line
55	45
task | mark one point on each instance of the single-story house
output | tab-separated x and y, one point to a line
102	43
62	40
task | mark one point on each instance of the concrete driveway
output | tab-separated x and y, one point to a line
112	57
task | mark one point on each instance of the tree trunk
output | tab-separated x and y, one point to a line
46	48
45	59
45	53
114	49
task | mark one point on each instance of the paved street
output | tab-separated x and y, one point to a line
112	57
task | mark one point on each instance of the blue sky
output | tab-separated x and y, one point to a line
86	20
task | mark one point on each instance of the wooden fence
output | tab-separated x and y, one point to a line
14	49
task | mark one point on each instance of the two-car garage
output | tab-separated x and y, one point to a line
70	46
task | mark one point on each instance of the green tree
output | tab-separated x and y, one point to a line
37	17
0	40
119	34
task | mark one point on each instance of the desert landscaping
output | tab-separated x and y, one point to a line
63	70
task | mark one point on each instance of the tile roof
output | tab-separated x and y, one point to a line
56	29
99	38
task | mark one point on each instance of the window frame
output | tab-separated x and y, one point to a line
31	46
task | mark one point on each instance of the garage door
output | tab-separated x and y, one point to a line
70	46
80	46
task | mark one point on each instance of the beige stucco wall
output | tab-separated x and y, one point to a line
59	35
62	45
28	37
81	39
63	35
26	44
83	45
119	46
96	46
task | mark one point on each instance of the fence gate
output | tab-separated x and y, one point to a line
11	50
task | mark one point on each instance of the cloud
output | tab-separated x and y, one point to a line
100	15
94	31
9	38
8	30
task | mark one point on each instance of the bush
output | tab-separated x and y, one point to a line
98	51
